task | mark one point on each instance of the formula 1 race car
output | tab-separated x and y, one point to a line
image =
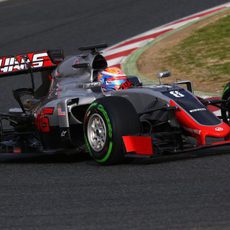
71	112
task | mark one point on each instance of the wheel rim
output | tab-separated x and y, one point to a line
96	132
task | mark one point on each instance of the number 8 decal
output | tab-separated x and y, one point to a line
176	94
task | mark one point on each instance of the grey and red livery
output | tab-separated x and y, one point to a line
69	113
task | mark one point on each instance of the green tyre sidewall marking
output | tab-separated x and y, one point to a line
100	108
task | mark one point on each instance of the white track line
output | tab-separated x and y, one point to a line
127	47
117	53
172	25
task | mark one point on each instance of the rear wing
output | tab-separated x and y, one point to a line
30	62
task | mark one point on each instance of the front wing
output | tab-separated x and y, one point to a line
142	146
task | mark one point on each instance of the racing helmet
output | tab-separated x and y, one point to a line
113	78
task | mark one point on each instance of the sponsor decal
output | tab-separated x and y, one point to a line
91	85
61	112
176	94
126	85
63	133
24	62
219	129
197	110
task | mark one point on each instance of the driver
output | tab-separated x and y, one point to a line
113	78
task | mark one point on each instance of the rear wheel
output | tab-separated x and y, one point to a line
225	111
106	121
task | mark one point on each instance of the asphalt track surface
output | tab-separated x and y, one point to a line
75	193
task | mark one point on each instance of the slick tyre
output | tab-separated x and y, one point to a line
106	121
225	111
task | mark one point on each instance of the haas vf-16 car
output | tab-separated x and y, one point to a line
69	112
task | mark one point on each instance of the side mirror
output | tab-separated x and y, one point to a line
164	74
188	85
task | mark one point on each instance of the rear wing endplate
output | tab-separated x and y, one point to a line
30	62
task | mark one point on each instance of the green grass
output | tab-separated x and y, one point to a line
206	52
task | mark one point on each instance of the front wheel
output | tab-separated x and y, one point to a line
106	121
225	111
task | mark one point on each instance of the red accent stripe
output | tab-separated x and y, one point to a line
154	35
120	54
141	145
117	65
197	15
200	132
213	108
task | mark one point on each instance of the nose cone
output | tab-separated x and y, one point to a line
221	130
